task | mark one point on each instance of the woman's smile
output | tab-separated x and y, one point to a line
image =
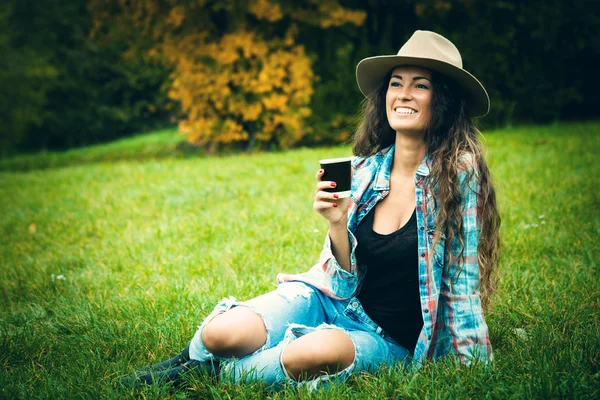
404	111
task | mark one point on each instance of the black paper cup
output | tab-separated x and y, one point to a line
338	170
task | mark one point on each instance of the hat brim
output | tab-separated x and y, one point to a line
371	71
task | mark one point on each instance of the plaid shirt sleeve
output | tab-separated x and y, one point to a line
328	275
463	311
342	283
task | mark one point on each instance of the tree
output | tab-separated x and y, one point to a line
240	76
24	77
59	88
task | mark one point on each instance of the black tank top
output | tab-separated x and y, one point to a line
390	289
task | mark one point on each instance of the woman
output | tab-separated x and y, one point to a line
409	258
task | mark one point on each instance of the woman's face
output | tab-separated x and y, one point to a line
408	99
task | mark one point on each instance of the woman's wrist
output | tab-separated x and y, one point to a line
340	243
342	224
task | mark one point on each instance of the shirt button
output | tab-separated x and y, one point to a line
422	228
354	304
426	310
429	337
423	255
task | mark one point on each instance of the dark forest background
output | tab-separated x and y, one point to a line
61	87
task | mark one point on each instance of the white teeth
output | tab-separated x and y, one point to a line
404	110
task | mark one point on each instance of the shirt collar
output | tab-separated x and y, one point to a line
385	160
423	168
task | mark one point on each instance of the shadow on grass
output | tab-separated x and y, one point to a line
99	154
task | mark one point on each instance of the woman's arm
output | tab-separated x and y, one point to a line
340	244
337	262
336	272
335	210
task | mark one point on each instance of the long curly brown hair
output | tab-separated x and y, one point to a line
453	146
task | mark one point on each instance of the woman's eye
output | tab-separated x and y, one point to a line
395	84
422	86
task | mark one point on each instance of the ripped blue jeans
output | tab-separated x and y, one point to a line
292	310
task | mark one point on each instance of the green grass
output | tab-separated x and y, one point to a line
147	247
158	145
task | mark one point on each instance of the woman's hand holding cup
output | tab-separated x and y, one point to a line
333	190
329	205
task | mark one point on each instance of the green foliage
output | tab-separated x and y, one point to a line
24	77
535	58
147	248
240	76
62	89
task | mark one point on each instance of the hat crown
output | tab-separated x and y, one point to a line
426	44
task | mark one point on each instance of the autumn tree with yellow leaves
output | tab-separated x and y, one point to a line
240	76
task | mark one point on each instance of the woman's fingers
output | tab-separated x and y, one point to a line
324	205
321	185
325	196
328	204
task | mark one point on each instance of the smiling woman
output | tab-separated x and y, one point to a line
407	263
408	99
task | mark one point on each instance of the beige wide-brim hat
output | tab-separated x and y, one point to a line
432	51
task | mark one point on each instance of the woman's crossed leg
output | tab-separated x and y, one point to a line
294	333
240	332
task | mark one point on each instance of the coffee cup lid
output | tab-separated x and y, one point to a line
335	160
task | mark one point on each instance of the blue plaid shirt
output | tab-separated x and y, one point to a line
453	321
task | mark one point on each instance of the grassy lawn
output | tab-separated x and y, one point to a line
161	144
109	262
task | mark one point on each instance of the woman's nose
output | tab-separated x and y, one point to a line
405	94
